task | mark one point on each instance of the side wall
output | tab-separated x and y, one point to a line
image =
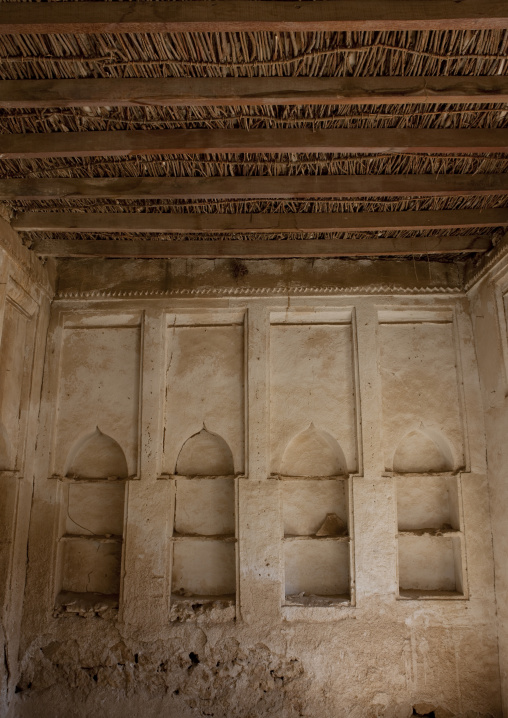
489	316
25	292
254	502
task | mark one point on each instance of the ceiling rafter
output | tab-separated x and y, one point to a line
178	142
288	187
262	15
234	91
34	137
207	222
259	248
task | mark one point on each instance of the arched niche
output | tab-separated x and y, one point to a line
205	454
97	456
313	453
423	451
5	450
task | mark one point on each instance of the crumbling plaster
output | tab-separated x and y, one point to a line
373	654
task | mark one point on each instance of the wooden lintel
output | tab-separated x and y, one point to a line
272	223
221	16
178	142
280	187
259	249
245	91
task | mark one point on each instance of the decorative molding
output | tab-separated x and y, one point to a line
25	260
252	291
20	298
490	261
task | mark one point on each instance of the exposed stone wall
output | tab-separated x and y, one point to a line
25	292
258	506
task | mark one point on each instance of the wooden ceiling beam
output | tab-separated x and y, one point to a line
178	142
250	91
252	188
221	16
272	223
259	248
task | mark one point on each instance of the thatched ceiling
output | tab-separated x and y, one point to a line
465	53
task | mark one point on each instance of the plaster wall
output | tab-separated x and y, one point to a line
25	291
488	311
292	516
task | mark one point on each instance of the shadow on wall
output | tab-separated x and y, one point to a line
205	454
313	452
97	456
423	451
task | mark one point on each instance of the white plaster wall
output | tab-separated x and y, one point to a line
371	654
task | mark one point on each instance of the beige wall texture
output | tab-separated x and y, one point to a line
25	291
256	493
489	314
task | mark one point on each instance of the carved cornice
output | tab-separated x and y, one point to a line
494	257
252	292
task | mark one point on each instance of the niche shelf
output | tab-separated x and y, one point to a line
317	542
203	543
91	529
430	540
316	505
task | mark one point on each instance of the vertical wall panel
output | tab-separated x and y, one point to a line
99	387
312	382
422	413
205	389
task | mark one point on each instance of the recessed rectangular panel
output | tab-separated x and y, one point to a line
203	568
205	506
99	389
312	399
426	502
316	566
204	400
12	369
91	567
310	505
422	415
428	563
95	508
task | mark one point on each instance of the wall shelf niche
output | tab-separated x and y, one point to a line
92	497
317	541
203	451
430	539
203	541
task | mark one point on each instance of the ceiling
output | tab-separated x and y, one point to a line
251	129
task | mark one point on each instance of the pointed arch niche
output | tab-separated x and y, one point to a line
314	416
97	456
428	516
316	515
423	451
424	442
205	454
204	556
313	452
92	525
